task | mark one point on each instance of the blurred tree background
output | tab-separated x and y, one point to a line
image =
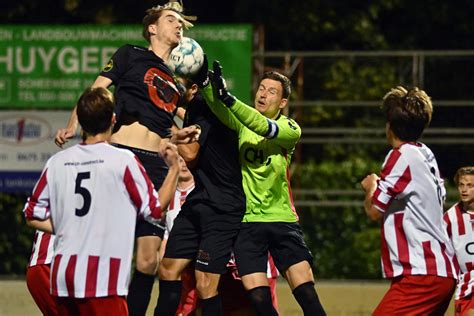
345	244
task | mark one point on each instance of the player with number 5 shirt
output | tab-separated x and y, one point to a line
90	196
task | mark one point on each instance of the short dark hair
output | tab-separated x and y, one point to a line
408	112
463	171
285	82
95	109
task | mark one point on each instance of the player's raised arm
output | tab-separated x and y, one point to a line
64	134
203	80
266	121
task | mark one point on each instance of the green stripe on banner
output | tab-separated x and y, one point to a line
48	67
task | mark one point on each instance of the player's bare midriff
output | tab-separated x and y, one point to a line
137	136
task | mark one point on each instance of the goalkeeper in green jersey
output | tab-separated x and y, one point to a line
267	140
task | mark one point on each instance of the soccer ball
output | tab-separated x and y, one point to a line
186	58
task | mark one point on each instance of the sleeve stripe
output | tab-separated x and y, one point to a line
132	189
398	188
153	202
272	129
401	184
382	207
391	161
35	197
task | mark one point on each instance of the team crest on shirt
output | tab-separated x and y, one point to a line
161	89
109	66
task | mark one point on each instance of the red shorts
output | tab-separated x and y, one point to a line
417	295
463	306
37	281
110	305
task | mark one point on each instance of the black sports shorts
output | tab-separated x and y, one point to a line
284	241
157	170
203	233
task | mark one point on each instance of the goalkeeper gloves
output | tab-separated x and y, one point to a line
219	84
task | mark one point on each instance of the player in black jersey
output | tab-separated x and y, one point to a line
205	229
146	97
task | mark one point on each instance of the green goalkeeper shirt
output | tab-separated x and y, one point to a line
265	149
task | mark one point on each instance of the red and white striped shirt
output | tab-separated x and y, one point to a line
92	194
411	193
42	252
175	206
459	225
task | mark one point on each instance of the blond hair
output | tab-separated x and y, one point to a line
463	171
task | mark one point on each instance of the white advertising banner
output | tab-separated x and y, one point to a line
26	143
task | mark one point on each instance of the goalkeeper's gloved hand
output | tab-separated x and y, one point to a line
219	84
201	78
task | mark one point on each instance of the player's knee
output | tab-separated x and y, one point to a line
298	274
147	264
206	287
206	292
168	271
